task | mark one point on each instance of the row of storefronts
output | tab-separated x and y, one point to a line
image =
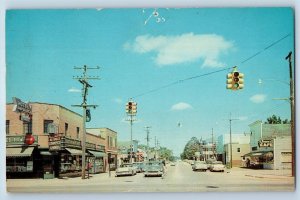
45	142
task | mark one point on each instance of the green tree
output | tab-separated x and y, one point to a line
192	146
276	120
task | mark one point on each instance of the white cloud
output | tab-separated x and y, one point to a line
183	48
258	98
181	106
74	90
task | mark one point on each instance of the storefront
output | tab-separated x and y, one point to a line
21	158
70	153
96	162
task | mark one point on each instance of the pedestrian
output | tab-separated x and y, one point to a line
248	163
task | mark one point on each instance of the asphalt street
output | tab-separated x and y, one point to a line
179	178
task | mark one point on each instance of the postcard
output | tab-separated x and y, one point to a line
150	100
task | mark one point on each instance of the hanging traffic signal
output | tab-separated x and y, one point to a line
229	81
235	80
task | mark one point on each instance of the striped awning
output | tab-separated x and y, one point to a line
97	154
74	151
19	151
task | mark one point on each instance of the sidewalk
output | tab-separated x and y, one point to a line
262	173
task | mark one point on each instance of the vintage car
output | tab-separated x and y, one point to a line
199	166
217	166
154	169
126	169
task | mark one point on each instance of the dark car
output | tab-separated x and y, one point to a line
154	169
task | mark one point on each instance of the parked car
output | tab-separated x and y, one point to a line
200	166
154	169
139	166
217	166
126	169
209	162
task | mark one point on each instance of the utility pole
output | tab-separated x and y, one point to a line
230	139
292	104
155	142
148	139
212	142
86	118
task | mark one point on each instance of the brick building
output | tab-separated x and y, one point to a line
56	150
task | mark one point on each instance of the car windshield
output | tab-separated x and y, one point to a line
153	164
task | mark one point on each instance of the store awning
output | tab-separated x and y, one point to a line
47	153
97	153
259	152
19	151
74	152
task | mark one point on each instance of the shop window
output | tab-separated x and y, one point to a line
66	129
77	132
7	127
108	142
46	125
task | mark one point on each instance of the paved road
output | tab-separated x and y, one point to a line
179	178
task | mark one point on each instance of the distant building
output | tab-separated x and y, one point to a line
240	146
124	151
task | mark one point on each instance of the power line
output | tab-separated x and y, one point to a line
213	72
266	48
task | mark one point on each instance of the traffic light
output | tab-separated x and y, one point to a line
131	108
134	108
235	80
229	81
88	115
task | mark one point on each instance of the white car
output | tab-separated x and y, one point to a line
126	169
200	166
217	166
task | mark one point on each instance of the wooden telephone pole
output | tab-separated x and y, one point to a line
85	85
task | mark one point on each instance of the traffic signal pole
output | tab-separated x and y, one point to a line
230	140
131	147
131	110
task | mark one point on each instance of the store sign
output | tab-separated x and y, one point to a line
20	140
54	143
68	142
21	107
25	117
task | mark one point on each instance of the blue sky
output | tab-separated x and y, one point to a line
138	51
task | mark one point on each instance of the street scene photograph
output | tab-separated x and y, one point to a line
150	100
